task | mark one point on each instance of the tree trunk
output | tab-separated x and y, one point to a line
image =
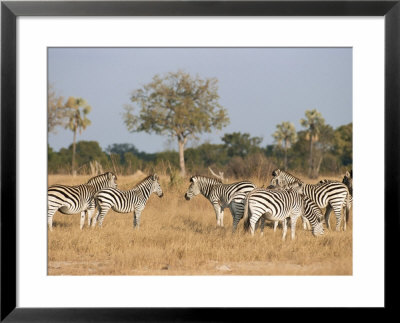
316	172
181	144
310	169
285	161
73	154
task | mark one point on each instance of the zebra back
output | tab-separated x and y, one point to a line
102	181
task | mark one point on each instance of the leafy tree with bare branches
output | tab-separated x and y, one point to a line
285	135
77	121
177	105
313	124
56	110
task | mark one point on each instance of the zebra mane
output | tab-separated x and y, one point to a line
292	176
107	174
217	180
145	179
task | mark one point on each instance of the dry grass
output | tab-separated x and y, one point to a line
179	237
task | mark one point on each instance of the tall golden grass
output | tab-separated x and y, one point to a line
179	237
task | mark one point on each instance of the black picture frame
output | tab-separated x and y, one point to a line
10	10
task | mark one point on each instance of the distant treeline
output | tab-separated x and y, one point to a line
240	155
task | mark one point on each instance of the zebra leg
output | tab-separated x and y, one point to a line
262	225
90	212
275	225
136	219
327	215
217	209
306	223
284	225
235	223
221	217
338	210
253	222
83	214
100	216
95	218
293	221
344	217
256	225
50	214
235	219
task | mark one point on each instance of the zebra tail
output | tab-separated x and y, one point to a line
246	220
347	207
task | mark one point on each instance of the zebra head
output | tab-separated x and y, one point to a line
278	179
318	230
276	172
296	187
111	177
156	187
193	189
348	181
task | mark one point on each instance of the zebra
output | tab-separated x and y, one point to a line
217	193
126	201
348	181
330	195
75	199
281	205
306	224
237	202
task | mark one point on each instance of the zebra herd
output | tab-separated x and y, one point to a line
101	192
284	200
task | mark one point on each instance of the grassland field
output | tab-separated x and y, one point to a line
179	237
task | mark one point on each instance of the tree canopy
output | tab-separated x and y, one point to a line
177	105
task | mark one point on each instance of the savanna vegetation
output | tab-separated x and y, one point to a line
179	237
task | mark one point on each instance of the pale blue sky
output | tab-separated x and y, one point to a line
259	87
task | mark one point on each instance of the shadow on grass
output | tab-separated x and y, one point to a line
62	225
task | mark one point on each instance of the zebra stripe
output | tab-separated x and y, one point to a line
348	181
280	205
326	195
217	193
133	200
75	199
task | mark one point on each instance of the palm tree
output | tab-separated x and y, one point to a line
77	120
313	122
285	134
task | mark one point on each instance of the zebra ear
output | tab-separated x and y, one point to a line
111	175
191	179
347	174
276	172
155	177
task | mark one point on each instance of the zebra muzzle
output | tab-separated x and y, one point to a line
187	197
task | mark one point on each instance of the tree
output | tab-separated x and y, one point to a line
323	147
285	134
77	121
238	144
343	146
177	105
56	111
313	123
121	150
